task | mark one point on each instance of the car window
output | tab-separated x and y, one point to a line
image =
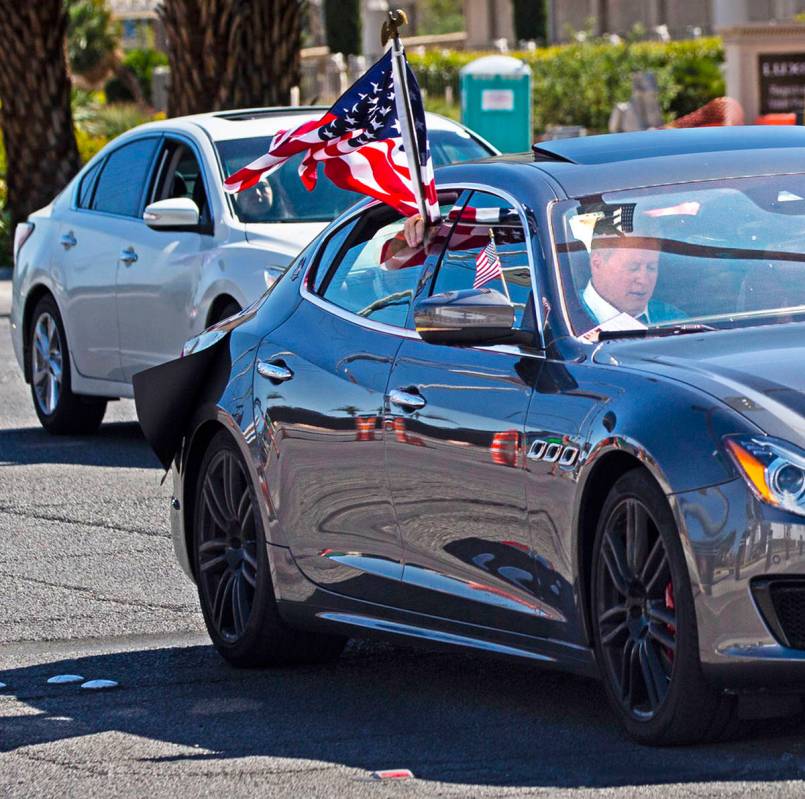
120	185
329	253
365	281
724	253
374	273
453	147
179	175
484	219
87	184
281	197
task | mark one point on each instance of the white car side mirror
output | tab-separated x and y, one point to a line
175	212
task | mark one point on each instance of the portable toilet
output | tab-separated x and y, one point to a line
496	101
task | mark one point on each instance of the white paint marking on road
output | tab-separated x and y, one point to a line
99	685
2	685
65	679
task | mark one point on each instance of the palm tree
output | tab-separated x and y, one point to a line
36	120
231	53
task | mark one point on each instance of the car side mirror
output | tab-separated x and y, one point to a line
174	213
471	316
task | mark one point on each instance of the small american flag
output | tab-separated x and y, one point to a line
473	227
487	265
359	142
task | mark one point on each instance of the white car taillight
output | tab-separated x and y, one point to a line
21	234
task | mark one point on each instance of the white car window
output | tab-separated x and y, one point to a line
120	185
87	185
179	175
281	197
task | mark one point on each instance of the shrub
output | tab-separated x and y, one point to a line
141	62
109	121
579	83
88	144
92	36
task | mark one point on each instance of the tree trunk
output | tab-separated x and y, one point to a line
231	53
36	120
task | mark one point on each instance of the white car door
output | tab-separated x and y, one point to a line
157	283
104	214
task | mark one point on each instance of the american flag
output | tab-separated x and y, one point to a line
487	265
359	141
470	232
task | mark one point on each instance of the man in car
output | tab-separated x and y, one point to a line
623	277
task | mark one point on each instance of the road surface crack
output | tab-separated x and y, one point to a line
114	600
46	517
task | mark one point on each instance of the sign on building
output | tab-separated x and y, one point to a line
782	82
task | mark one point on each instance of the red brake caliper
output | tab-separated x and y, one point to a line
669	603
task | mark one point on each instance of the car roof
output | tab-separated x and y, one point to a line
247	123
608	162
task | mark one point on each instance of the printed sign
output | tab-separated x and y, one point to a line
782	83
497	100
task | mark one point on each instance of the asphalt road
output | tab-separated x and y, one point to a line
90	587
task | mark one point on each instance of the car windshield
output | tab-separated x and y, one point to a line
281	197
724	253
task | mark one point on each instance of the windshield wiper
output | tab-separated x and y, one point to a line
645	332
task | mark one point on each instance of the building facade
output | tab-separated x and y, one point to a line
681	18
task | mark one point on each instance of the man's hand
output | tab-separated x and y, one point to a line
414	230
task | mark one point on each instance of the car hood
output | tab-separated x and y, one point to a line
759	371
286	239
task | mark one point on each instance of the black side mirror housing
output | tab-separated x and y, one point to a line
468	317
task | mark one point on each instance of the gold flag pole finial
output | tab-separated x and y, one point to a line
396	20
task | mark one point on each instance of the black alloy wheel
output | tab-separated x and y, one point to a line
232	570
644	622
227	549
635	608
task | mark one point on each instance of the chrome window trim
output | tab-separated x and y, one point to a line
404	332
379	327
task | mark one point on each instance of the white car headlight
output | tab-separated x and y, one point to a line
774	469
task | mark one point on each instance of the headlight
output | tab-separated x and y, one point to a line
774	469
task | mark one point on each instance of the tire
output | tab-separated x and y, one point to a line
644	622
232	570
59	410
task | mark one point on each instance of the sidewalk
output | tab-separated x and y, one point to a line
5	291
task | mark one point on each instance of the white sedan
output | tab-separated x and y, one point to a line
143	249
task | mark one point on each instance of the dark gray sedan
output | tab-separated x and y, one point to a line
568	427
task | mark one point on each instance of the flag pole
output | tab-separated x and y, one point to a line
502	273
405	114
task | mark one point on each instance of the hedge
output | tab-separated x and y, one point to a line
578	84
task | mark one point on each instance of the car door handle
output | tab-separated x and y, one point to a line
274	371
405	400
128	256
68	240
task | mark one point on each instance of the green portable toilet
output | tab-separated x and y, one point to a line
496	101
